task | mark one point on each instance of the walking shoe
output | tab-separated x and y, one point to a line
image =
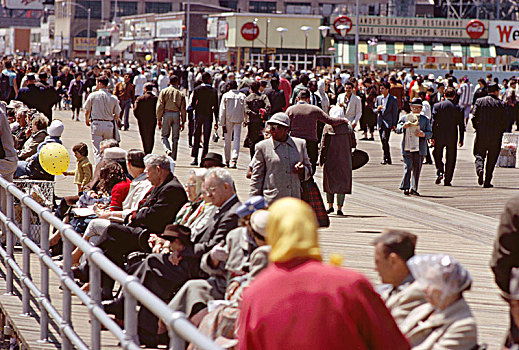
371	138
488	185
439	179
414	193
340	213
406	192
233	165
480	178
447	184
195	162
330	210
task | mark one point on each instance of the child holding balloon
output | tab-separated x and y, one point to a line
83	172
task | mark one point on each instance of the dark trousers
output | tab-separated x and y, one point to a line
450	163
512	116
488	150
190	126
320	128
513	334
147	132
255	135
163	279
412	165
117	242
384	138
206	125
313	153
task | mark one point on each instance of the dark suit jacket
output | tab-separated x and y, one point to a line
146	108
276	99
205	102
435	98
448	121
388	118
490	119
161	207
224	220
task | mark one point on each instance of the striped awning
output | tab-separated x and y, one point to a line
346	50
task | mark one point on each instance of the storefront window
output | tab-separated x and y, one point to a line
298	8
124	8
157	7
262	6
230	4
94	6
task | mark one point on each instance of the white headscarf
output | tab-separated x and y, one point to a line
325	102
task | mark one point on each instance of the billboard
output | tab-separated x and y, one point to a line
503	32
23	4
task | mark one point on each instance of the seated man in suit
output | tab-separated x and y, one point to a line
159	209
164	274
401	295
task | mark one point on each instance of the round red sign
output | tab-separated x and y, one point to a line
475	29
250	31
343	20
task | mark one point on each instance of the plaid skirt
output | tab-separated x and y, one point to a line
310	194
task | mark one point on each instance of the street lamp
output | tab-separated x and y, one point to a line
88	25
324	33
254	24
306	29
281	30
343	29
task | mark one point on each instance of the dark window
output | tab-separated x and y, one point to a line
299	8
230	4
124	8
262	6
157	7
94	6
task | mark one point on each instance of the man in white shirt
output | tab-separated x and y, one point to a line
139	82
232	115
163	80
351	104
465	91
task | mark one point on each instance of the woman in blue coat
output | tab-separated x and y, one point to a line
416	128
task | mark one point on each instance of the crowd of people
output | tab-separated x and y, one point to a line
196	245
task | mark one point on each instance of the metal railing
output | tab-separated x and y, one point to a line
180	329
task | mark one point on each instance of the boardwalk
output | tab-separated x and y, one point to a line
459	220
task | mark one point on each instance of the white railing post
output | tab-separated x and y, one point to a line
9	243
67	295
44	279
26	258
95	295
130	315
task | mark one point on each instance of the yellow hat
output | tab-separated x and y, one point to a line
292	231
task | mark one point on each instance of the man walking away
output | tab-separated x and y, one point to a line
386	108
171	115
232	115
490	122
465	91
257	108
447	124
145	113
102	111
205	105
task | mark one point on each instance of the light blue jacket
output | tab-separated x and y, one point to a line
425	126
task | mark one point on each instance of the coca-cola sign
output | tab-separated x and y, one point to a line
475	29
250	31
345	21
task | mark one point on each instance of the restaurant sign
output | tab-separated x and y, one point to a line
415	27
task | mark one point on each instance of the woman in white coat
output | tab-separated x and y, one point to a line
445	322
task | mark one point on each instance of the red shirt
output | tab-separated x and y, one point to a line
284	85
119	193
309	305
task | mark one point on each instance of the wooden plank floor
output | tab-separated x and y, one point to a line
459	220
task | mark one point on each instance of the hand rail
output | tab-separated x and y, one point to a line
179	328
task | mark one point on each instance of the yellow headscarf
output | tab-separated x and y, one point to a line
292	231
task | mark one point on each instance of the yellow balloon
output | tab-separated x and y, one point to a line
148	57
54	158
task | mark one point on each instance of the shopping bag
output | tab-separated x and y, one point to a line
310	194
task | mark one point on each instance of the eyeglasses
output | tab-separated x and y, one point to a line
210	191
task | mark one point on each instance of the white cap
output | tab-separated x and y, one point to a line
55	128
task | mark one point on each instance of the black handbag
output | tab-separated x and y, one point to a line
359	158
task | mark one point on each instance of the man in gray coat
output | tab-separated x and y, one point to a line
280	163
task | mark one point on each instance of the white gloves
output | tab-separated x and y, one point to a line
219	253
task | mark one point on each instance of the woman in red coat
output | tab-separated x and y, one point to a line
300	303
